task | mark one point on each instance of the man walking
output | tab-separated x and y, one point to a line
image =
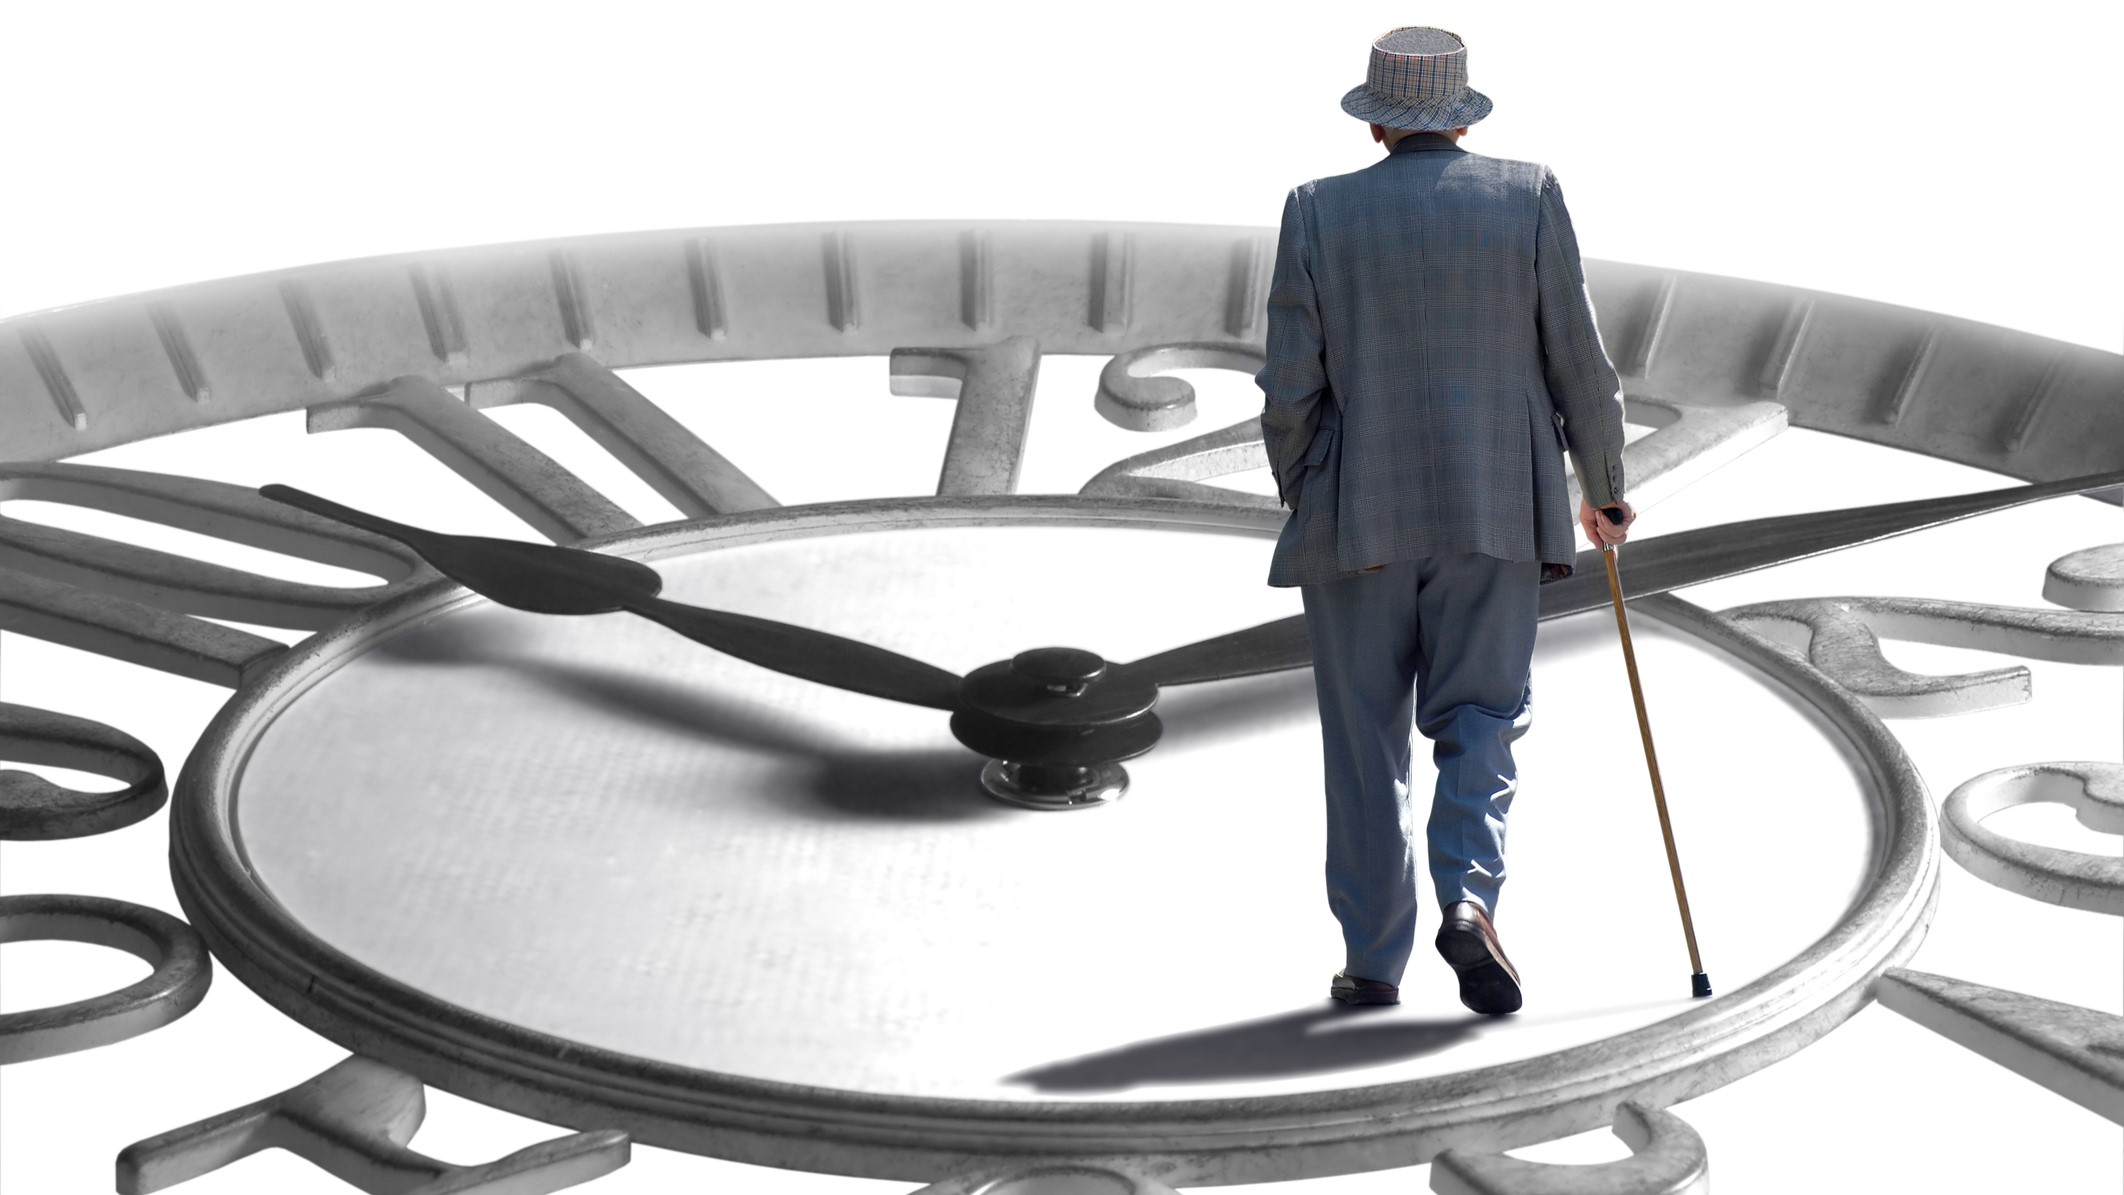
1431	356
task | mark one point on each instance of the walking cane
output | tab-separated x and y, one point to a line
1699	983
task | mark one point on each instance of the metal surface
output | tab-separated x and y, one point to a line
33	808
180	584
528	483
1054	787
1205	1141
2075	879
354	1121
97	374
1667	1157
177	984
2089	579
2076	1052
1841	636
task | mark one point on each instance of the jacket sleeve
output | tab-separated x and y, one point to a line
1295	379
1582	382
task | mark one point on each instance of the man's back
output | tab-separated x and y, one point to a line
1439	292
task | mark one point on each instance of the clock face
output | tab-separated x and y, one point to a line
443	813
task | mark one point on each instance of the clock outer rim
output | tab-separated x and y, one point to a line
925	1138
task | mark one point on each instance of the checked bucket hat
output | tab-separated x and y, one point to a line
1418	80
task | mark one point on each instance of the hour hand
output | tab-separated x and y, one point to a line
807	654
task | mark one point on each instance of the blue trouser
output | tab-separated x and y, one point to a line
1445	644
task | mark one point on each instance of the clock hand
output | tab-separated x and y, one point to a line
547	579
807	654
541	578
1671	561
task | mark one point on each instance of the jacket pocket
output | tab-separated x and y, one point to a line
1319	455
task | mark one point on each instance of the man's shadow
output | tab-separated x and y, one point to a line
1311	1041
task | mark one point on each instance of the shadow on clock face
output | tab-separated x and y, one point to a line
848	780
592	828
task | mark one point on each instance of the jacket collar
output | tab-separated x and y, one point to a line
1416	143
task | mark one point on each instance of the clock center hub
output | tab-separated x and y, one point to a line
1056	722
1068	671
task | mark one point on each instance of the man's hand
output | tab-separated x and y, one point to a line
1599	530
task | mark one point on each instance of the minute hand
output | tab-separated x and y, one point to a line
1667	562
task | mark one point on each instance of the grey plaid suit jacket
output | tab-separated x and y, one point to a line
1431	356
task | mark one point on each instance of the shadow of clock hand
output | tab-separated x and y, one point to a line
829	778
1667	562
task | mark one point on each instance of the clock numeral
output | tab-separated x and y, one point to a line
1132	395
697	479
179	583
529	484
1841	636
2076	1052
2089	579
2073	879
112	626
355	1119
1689	442
175	987
34	809
1103	1177
1667	1157
994	385
1178	470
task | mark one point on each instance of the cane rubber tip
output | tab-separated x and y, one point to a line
1699	985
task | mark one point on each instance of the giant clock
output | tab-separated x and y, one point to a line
585	870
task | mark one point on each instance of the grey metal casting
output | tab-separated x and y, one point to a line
1667	1157
2075	879
177	984
354	1120
2074	1051
33	808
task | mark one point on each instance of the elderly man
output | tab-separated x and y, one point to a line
1431	355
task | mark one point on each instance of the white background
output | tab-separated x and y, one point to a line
1908	153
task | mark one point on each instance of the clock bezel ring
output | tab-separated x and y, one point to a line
923	1138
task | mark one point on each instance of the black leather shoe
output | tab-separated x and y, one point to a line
1488	982
1352	990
